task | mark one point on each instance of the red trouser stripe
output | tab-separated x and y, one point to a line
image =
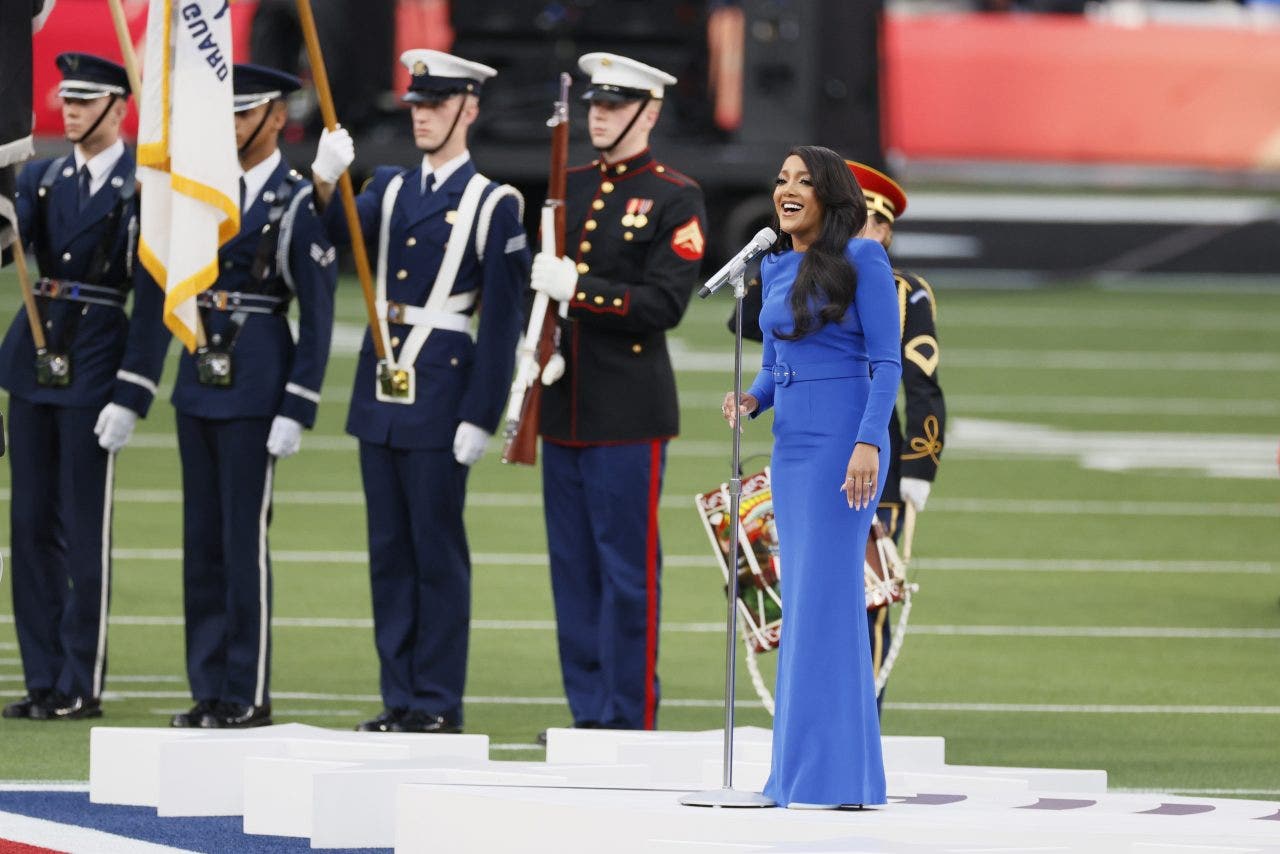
651	582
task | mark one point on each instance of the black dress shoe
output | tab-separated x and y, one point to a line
22	708
59	707
191	719
542	736
236	716
416	721
383	722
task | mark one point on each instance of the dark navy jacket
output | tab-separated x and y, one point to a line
271	374
636	230
457	379
114	357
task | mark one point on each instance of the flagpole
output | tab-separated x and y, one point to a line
126	46
130	58
320	77
28	298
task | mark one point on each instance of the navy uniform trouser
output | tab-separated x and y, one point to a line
420	572
879	624
226	566
60	533
601	506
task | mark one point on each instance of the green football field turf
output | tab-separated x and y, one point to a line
1093	593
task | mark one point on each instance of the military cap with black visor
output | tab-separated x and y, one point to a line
86	77
255	85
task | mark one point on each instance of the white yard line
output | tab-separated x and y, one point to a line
676	501
1086	709
1079	632
711	703
691	360
1191	567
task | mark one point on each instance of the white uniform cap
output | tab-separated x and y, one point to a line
619	78
435	75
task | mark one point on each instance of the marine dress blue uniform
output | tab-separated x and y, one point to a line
830	390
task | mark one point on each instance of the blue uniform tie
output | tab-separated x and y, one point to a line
82	180
428	184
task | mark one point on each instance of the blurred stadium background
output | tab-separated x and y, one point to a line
1095	196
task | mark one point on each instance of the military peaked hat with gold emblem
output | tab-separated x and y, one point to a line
884	195
252	85
86	77
618	78
435	75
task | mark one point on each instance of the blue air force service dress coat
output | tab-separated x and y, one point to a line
414	488
636	231
830	390
60	528
281	254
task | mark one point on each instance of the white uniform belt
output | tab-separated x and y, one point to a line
450	317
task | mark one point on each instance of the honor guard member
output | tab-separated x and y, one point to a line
635	242
449	246
73	404
242	403
914	451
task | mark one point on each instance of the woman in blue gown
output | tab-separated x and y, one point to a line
831	371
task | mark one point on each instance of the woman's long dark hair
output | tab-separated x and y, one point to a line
825	274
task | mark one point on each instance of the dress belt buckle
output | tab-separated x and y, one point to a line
782	374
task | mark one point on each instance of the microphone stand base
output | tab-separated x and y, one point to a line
732	798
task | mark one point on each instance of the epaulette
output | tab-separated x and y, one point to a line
674	176
908	282
593	165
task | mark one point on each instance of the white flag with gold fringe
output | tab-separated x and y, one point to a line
187	159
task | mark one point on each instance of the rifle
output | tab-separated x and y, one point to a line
538	345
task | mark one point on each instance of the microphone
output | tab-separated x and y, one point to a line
764	238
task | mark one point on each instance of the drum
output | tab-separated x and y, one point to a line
759	596
759	569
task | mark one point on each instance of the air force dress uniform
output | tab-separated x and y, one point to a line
915	440
80	217
231	397
636	237
448	246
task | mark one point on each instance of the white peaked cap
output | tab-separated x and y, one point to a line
623	77
437	65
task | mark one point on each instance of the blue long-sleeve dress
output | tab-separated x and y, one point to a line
830	390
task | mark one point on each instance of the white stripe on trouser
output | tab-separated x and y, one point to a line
100	658
264	608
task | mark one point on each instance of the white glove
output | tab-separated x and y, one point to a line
470	443
334	154
285	437
915	490
554	276
115	426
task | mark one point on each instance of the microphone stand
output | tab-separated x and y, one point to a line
727	796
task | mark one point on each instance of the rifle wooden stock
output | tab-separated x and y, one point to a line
521	442
320	77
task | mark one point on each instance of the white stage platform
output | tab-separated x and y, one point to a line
605	790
